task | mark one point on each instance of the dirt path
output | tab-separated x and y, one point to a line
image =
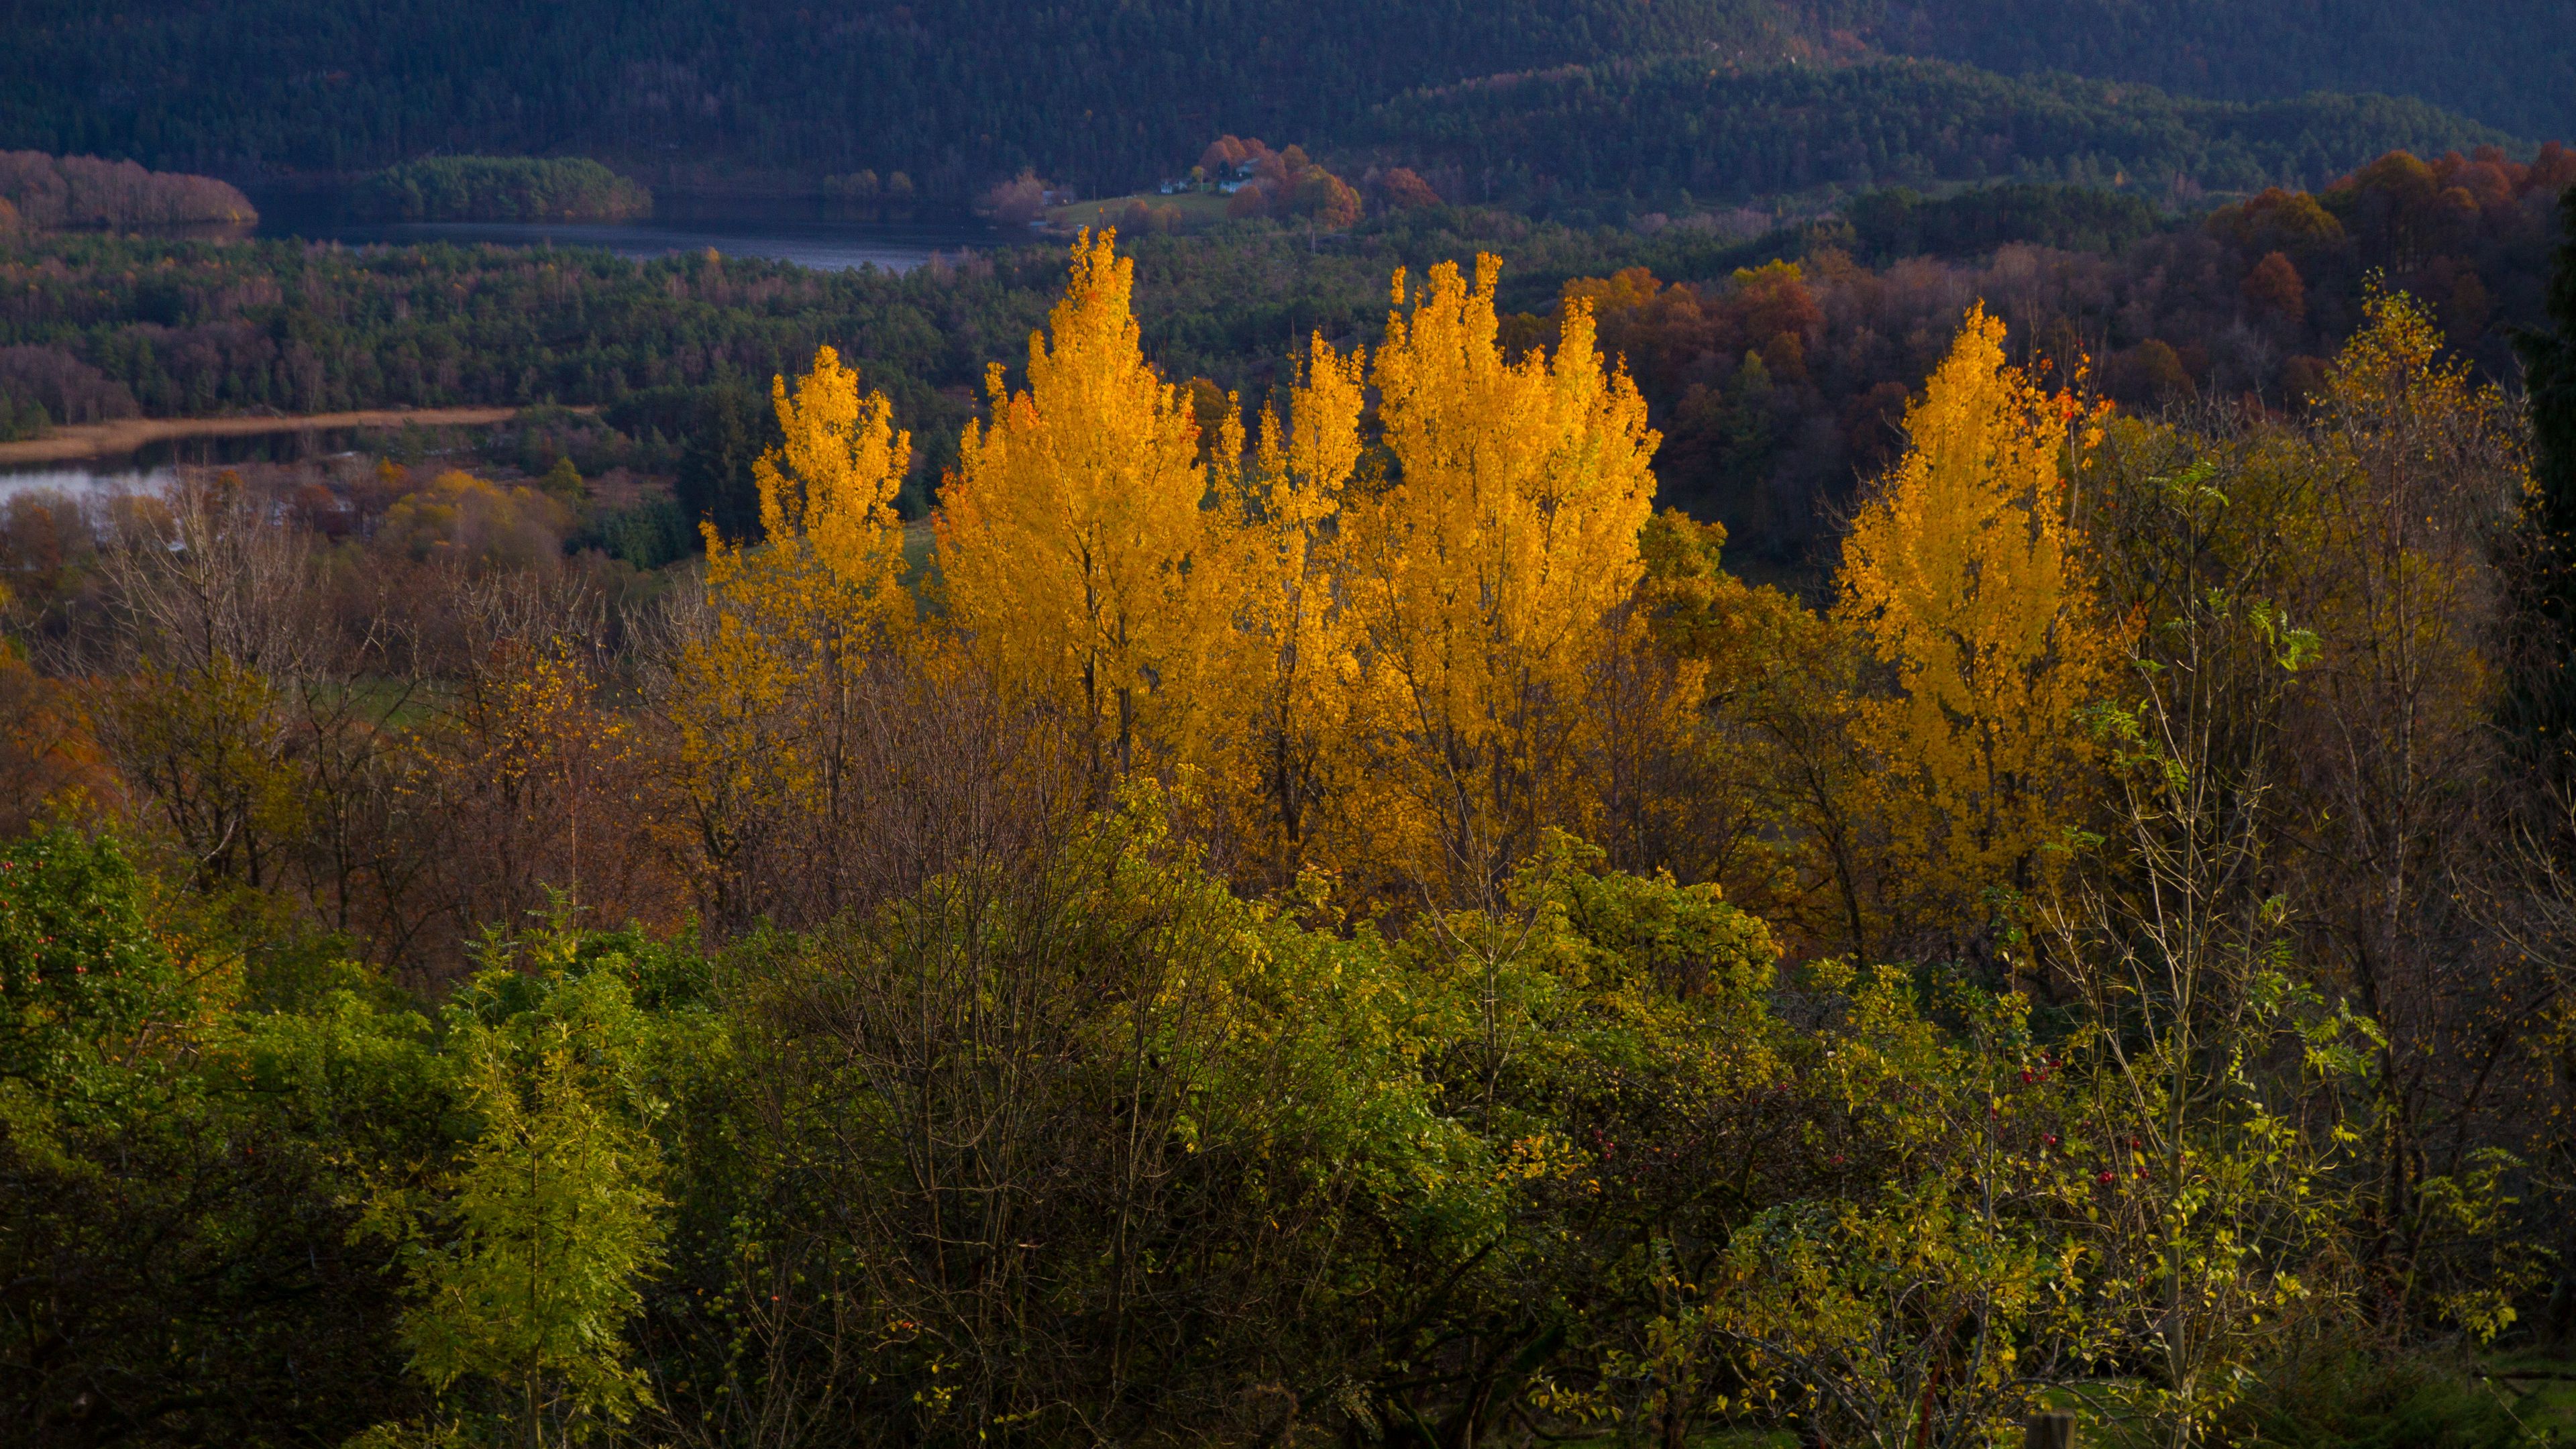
108	440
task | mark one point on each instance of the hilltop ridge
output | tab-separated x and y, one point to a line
1108	96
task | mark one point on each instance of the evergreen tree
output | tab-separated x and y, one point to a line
715	483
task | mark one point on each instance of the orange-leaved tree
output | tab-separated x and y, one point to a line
1962	571
1077	558
1486	576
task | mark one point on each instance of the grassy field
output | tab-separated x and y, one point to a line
2540	1390
127	435
2508	1399
1193	211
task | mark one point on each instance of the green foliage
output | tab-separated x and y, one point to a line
176	1181
649	536
2340	1396
525	1259
236	1222
715	485
22	419
563	481
1930	1285
1017	1127
81	975
501	188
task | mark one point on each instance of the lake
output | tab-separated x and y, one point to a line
744	230
85	482
153	467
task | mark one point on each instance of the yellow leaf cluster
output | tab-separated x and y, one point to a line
1962	575
761	686
1075	550
828	488
1410	628
1486	577
1382	649
1295	666
462	519
2399	569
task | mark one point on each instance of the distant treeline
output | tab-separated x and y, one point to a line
1668	129
93	327
1775	387
1778	386
2509	63
58	193
1899	222
501	188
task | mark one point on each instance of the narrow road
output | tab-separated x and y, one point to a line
108	440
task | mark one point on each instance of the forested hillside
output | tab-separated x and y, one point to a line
1108	96
1094	91
1677	130
2509	63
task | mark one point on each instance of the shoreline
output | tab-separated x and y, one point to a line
81	441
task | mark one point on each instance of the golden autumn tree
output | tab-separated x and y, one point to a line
1961	574
761	682
1075	548
1295	666
1487	576
827	490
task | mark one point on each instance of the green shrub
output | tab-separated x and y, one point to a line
2347	1399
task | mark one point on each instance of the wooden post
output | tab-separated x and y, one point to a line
2048	1431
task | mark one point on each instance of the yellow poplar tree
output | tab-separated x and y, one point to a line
1961	572
1297	664
827	490
1077	556
761	685
1490	576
